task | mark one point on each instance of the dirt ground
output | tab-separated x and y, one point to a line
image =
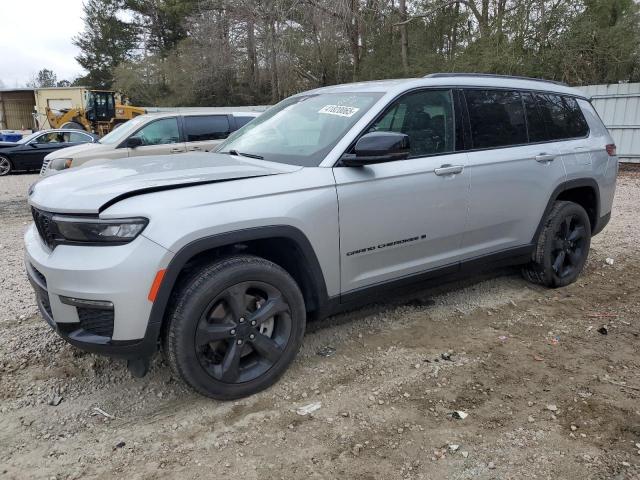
547	395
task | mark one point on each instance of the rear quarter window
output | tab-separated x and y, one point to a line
206	127
562	116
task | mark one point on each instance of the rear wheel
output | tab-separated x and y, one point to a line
562	248
236	326
5	166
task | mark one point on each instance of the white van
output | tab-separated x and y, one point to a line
152	134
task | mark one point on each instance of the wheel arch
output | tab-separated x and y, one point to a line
269	242
583	191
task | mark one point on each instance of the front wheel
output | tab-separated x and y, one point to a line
236	326
5	166
562	247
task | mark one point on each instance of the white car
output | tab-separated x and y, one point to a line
152	134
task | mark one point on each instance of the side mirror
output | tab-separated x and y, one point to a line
134	142
378	147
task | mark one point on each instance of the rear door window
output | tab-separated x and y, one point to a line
535	123
206	127
562	116
496	117
77	137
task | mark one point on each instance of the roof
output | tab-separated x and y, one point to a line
453	80
196	113
20	89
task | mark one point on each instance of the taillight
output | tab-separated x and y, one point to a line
611	149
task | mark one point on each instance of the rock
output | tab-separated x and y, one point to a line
119	445
603	330
552	408
55	400
326	351
609	261
625	464
445	356
459	415
307	409
464	454
454	448
357	448
491	466
573	428
531	419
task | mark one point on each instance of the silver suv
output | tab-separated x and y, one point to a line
329	199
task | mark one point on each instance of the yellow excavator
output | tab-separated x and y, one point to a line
100	113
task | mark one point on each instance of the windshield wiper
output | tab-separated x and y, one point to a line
249	155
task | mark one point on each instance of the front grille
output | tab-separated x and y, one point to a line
44	225
96	321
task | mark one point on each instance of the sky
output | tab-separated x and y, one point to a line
36	34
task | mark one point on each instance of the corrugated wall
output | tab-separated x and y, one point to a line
619	107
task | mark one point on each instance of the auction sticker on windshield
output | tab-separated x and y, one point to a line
339	110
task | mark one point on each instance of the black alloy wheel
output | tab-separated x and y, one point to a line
243	332
234	327
568	249
562	247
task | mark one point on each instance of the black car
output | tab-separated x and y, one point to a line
28	153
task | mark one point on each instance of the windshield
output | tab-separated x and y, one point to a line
29	137
118	134
300	130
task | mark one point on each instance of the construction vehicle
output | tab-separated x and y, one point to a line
97	111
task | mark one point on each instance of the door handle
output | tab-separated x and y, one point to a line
545	157
448	170
176	150
195	149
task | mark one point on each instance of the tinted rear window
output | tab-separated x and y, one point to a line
206	127
497	118
535	123
562	116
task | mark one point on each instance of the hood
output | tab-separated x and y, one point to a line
92	189
71	152
8	144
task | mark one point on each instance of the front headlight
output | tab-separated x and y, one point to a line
60	164
77	230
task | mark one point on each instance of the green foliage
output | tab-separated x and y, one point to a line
230	52
105	42
45	78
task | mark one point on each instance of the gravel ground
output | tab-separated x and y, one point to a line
547	395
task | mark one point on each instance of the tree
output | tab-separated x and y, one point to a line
45	78
106	42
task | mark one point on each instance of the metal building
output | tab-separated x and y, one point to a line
618	105
16	109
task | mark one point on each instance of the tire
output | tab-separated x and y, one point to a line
6	167
562	247
73	126
221	339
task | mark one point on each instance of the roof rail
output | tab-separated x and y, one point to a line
492	75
